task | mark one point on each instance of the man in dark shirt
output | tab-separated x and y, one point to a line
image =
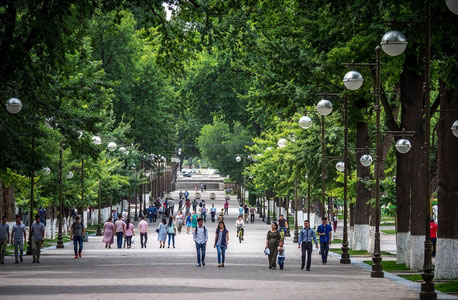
325	233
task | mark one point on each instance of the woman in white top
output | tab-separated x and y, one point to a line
179	219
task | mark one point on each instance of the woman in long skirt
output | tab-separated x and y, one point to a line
273	238
162	233
108	233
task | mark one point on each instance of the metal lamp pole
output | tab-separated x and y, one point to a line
60	243
427	286
99	224
296	228
345	258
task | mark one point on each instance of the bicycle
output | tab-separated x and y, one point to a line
240	234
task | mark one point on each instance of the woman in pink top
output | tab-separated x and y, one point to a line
108	233
129	233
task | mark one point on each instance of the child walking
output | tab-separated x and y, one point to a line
281	254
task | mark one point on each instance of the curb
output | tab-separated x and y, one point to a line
402	281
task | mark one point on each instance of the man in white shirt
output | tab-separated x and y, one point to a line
200	237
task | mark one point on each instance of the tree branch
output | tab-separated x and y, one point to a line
391	122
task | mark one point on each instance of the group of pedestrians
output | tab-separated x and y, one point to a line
275	250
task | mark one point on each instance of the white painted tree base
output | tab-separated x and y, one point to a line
351	237
417	251
54	229
408	251
401	247
446	259
48	228
371	247
361	237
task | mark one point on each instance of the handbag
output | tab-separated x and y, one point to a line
157	230
266	251
133	240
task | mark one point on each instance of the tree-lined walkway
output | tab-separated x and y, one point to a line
153	272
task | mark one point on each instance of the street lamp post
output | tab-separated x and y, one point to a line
345	258
296	228
99	224
60	243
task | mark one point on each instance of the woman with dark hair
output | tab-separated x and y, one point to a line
162	233
129	233
273	238
221	242
171	231
108	233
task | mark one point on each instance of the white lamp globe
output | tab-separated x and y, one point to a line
281	143
403	145
96	140
324	107
238	159
340	166
13	105
112	146
394	43
455	128
366	160
268	148
122	149
452	5
69	175
353	80
48	123
305	122
47	170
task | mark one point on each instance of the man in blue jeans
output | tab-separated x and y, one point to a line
325	233
200	237
76	234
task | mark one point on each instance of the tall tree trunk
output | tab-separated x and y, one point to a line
411	84
402	206
363	194
447	244
7	201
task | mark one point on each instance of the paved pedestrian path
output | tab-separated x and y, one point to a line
172	273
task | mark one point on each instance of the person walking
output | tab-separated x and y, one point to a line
124	214
149	212
201	187
42	213
188	222
241	210
76	234
171	205
188	207
18	236
221	215
226	207
433	235
200	237
180	221
205	188
252	214
194	205
180	204
114	215
213	213
171	232
143	228
325	233
203	213
221	243
186	193
38	233
4	239
108	233
120	230
162	233
335	221
273	238
281	254
129	233
194	218
306	236
246	212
